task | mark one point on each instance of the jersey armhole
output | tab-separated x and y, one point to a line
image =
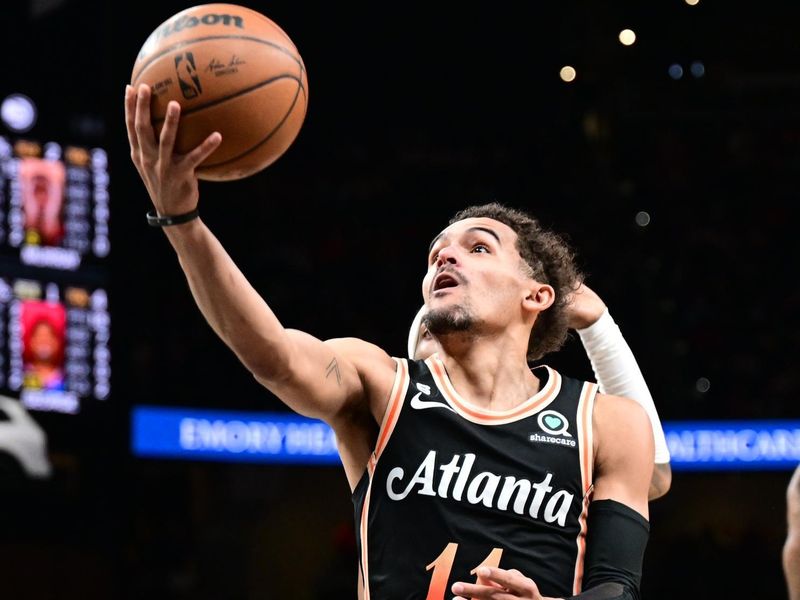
392	413
586	460
586	435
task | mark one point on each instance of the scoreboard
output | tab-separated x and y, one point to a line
55	325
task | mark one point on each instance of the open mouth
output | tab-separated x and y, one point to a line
444	281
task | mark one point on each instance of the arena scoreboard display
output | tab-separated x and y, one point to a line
55	324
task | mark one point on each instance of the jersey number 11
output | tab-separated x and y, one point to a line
444	564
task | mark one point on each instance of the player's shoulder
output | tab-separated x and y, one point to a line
377	370
363	354
620	409
354	344
618	406
621	416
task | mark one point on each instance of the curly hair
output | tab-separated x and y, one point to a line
551	261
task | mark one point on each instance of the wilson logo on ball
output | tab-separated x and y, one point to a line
187	75
252	89
188	22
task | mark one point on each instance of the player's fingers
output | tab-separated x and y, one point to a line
169	132
204	150
143	124
481	592
130	112
512	580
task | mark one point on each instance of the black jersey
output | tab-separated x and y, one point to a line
451	487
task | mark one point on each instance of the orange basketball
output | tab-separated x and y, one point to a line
232	70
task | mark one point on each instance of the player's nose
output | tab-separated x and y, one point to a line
447	255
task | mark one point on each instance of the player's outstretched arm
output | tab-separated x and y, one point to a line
617	371
315	378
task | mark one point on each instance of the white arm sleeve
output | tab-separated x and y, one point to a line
618	373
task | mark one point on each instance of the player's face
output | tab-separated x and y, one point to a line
475	272
44	341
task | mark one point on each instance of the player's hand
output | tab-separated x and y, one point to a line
170	178
498	584
584	307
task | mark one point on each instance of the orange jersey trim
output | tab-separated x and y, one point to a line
392	413
390	417
585	441
364	554
492	417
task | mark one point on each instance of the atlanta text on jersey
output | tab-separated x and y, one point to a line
491	490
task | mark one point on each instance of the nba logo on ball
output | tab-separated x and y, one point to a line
184	63
232	70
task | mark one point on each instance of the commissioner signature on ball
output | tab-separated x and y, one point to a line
215	66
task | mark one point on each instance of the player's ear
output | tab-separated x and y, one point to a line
540	296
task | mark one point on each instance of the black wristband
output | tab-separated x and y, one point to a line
615	544
166	220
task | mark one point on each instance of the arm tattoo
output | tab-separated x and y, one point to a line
333	367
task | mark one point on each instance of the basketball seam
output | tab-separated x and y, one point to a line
246	90
180	45
261	142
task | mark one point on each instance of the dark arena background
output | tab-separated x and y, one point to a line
671	164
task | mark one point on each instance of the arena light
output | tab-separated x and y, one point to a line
703	385
692	2
697	69
675	71
18	113
627	37
642	218
568	74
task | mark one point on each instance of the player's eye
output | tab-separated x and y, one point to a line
481	248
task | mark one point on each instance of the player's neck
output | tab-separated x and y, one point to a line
490	373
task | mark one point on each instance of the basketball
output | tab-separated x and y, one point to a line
232	70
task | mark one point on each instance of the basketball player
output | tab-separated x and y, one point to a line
469	461
43	184
614	365
791	549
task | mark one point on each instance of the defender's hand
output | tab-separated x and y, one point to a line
584	307
170	178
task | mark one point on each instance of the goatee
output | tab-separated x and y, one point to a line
444	321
